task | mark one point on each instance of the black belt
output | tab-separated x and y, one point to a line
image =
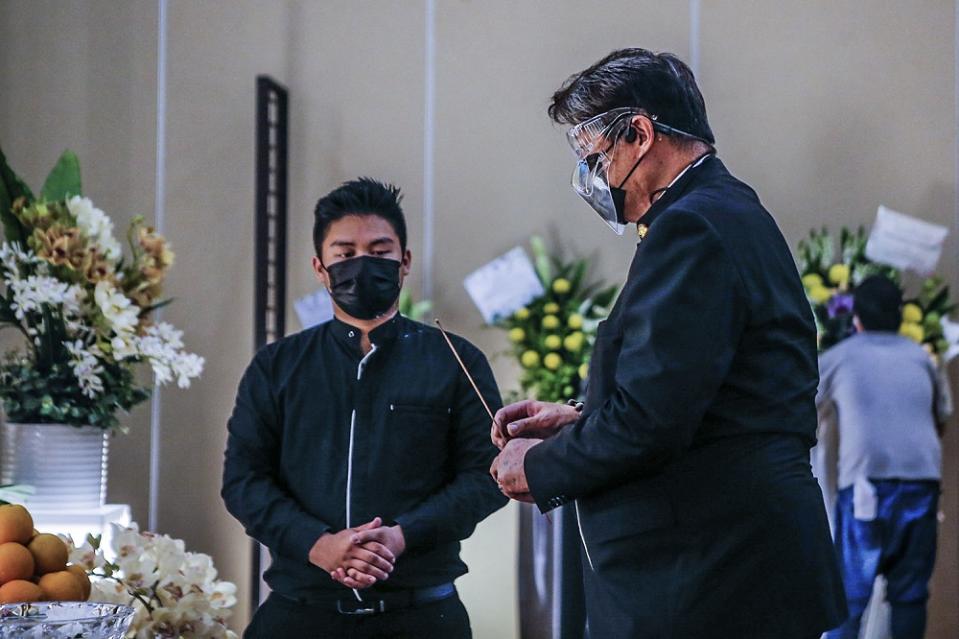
375	603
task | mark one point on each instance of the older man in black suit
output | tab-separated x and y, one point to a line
689	463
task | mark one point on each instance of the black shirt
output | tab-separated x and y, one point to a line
323	438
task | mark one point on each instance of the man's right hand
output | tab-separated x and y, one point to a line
370	562
530	419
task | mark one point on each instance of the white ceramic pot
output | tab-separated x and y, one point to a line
66	465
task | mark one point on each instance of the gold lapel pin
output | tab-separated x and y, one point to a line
641	231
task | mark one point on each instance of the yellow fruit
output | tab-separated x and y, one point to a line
820	294
575	321
552	342
561	286
583	370
550	322
517	335
529	359
20	591
551	307
552	361
574	342
49	553
82	577
16	562
839	275
812	280
913	331
911	313
61	586
522	314
16	524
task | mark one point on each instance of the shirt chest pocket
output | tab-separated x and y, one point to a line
429	412
418	435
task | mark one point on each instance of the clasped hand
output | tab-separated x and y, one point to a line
517	428
359	557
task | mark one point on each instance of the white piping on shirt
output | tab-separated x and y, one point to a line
349	461
579	524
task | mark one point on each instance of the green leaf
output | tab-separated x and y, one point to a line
576	278
155	307
605	297
51	348
64	178
11	188
541	260
419	310
15	186
6	313
941	298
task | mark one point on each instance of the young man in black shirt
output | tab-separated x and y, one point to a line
358	452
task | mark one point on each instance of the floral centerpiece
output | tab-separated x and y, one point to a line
552	336
830	279
175	593
83	307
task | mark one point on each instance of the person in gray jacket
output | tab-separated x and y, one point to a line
890	406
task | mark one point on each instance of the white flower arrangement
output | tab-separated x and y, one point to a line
95	224
175	593
84	308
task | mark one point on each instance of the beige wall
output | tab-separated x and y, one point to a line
67	84
215	51
827	108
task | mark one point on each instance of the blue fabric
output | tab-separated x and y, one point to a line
899	544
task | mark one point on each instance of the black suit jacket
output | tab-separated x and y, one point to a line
698	510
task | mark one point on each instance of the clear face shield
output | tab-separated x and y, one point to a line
594	143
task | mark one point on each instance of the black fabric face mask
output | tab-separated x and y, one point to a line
619	203
365	286
618	194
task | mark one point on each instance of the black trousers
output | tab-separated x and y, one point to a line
279	618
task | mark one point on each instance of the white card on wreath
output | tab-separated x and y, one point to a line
950	331
905	242
504	285
313	309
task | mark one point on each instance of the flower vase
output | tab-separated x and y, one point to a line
65	465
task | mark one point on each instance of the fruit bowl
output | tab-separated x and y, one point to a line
64	620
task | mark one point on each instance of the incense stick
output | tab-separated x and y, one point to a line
463	366
473	383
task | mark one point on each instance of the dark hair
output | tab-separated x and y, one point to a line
362	196
659	83
877	302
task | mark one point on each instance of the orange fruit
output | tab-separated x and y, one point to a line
49	553
16	562
16	524
82	577
20	591
61	586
